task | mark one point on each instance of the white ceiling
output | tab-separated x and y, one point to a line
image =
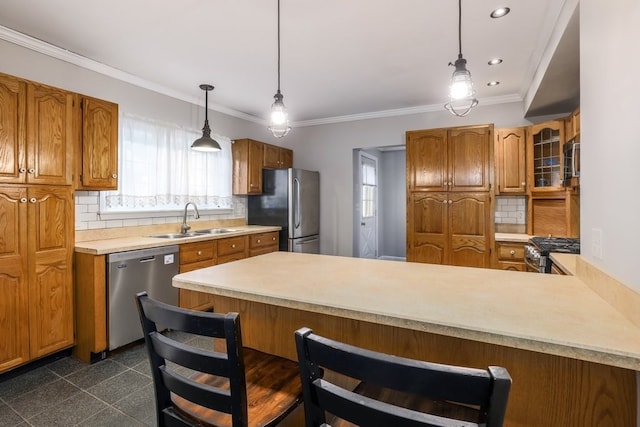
340	58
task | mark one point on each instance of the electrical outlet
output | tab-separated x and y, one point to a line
596	243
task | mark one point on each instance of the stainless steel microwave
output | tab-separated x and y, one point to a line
571	161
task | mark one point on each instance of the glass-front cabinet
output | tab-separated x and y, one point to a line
545	152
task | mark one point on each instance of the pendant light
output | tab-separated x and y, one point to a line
462	95
279	121
206	143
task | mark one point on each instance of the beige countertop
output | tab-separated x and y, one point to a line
512	237
566	262
546	313
134	242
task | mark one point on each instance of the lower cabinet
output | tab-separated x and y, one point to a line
510	256
450	228
232	249
193	256
36	279
263	243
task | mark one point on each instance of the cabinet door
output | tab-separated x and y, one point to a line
470	158
14	296
247	166
286	158
544	149
51	242
271	157
427	160
12	130
427	228
49	135
470	229
99	145
511	169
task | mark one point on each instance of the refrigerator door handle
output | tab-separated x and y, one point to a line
296	183
306	242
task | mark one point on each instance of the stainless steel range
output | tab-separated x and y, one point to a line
536	253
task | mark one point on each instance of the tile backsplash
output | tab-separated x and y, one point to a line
89	218
511	210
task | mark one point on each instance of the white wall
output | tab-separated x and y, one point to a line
610	149
328	148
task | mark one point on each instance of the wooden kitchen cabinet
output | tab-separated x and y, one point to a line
454	159
554	214
544	151
37	281
277	157
37	137
193	256
511	168
263	243
247	166
97	162
510	256
232	249
450	228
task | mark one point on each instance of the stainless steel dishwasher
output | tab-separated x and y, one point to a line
131	272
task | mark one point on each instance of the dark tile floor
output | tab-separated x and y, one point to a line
117	391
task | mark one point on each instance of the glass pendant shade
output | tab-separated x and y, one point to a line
205	142
279	123
462	95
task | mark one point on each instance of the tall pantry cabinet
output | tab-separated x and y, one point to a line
37	220
449	196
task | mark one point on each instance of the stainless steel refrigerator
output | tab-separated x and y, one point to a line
291	199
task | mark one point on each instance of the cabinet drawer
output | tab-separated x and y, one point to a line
232	245
197	252
260	240
510	251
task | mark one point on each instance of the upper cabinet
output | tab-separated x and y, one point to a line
98	145
511	169
250	157
544	149
455	159
277	157
36	144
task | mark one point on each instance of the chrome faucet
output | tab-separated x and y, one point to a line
196	215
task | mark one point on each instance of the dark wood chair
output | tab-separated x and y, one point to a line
395	391
242	387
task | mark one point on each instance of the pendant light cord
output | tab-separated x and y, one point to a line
459	28
278	46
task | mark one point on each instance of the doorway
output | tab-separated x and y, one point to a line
368	244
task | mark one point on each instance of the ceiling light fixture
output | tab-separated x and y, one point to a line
495	61
206	143
500	12
462	95
279	123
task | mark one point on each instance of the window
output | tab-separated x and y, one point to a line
368	190
159	171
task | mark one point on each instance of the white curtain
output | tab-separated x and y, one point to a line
158	170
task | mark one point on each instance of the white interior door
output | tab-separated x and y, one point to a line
369	206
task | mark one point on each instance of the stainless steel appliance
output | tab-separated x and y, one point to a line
291	199
537	252
131	272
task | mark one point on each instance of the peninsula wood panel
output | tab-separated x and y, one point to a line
547	390
91	305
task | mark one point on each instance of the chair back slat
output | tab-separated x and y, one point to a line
211	362
201	394
449	389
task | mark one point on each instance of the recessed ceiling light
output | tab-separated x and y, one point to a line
495	61
500	12
493	83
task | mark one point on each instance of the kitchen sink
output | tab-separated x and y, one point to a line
176	235
216	231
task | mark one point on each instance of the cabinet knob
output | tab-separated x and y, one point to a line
22	170
199	253
31	170
33	200
233	246
450	201
114	176
259	240
273	239
523	183
512	252
23	200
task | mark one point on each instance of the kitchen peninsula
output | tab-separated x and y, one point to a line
572	356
